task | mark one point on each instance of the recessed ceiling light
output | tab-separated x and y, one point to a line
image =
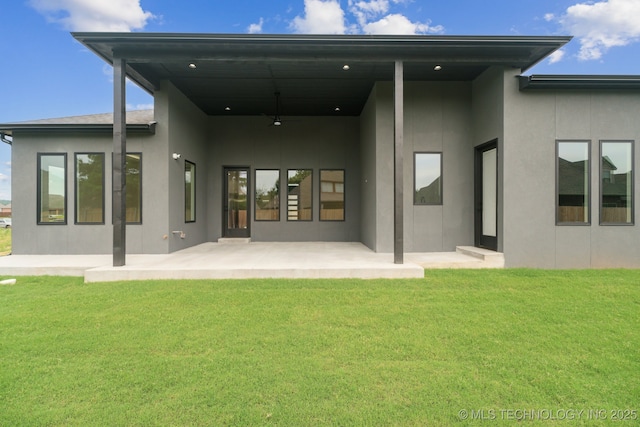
337	109
437	68
227	108
346	67
193	66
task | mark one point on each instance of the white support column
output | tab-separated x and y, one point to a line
118	200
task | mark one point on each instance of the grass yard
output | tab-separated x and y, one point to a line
5	241
456	348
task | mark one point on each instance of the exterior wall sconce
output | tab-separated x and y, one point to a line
176	156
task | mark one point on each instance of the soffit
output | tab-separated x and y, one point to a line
244	71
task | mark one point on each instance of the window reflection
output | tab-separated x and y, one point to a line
133	177
189	191
237	199
332	195
427	179
616	178
299	194
90	188
52	182
573	182
267	195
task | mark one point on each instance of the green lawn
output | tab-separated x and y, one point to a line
5	241
493	346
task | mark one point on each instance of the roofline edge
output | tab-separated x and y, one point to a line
9	129
578	81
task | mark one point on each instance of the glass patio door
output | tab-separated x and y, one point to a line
486	196
236	204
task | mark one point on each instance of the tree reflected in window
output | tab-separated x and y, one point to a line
267	195
89	188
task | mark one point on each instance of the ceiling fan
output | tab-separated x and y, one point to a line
277	121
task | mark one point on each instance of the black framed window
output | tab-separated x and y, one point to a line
332	195
189	191
89	188
573	182
616	182
133	177
299	194
427	179
267	198
52	188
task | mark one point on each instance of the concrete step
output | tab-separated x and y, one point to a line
463	257
234	240
488	256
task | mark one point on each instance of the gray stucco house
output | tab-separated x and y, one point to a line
403	143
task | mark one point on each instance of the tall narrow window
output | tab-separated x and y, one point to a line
133	177
427	179
89	187
299	194
616	182
189	191
267	195
573	182
332	195
52	188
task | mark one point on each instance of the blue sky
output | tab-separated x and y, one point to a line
45	73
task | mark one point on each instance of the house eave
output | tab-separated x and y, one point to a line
584	82
11	129
213	69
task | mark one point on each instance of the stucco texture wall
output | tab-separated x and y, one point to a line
437	118
534	120
71	238
185	129
300	143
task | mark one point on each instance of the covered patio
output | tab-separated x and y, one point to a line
312	76
242	260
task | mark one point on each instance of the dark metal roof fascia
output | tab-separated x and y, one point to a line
306	38
555	81
399	47
136	78
9	129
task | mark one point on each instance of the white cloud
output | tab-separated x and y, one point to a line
255	28
365	11
400	24
137	107
549	17
373	17
556	56
372	7
602	25
320	17
94	15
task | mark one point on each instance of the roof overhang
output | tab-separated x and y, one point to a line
49	128
138	122
600	82
243	71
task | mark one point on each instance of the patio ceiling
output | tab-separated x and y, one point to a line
243	71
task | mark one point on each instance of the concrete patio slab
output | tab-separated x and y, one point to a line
234	261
